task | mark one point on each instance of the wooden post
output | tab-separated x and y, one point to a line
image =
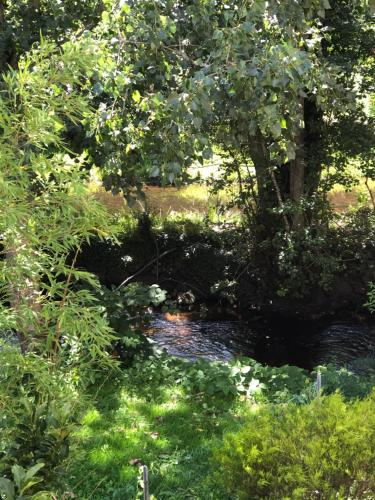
318	383
146	493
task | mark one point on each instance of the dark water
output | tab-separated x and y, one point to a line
276	342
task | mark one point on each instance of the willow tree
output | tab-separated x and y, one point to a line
55	331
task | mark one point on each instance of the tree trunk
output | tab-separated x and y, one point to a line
313	145
2	11
267	197
296	190
297	178
34	4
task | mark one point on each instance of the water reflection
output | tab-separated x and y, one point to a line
275	342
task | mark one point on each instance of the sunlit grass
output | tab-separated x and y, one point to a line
168	432
197	198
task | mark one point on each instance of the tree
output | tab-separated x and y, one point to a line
46	212
57	330
261	80
23	21
274	85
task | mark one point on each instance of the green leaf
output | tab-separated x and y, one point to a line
247	26
136	96
105	16
97	88
207	153
163	21
155	171
283	123
126	8
7	488
171	177
33	470
43	495
29	484
275	129
197	122
19	474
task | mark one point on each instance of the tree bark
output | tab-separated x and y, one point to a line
34	4
3	6
267	196
313	145
297	170
297	178
294	179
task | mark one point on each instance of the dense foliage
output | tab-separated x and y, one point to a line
281	94
53	331
277	89
171	415
321	450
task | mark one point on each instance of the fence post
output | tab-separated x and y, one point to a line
318	383
146	493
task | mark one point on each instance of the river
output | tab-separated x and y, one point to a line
274	342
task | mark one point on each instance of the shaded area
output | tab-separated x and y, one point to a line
322	276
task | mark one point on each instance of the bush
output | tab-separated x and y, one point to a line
127	310
38	408
356	382
220	382
322	450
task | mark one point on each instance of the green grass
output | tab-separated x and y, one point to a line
193	198
171	415
165	430
197	199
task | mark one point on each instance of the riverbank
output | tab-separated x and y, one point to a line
202	262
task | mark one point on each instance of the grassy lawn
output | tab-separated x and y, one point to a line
193	198
196	198
162	428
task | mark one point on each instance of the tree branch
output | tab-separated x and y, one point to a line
280	200
156	259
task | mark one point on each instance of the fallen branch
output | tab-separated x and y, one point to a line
156	259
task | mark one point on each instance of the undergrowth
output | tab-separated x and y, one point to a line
171	415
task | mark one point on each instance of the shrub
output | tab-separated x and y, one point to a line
127	310
38	408
220	382
356	382
322	450
23	481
